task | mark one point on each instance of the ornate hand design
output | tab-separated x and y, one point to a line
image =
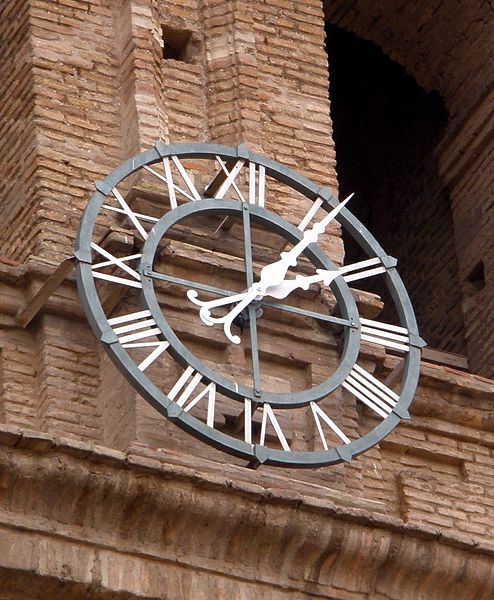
272	280
274	274
288	285
243	299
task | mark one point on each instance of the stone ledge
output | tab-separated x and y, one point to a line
109	522
208	475
172	465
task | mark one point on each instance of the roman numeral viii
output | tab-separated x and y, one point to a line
187	393
139	330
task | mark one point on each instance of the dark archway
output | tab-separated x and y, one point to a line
386	129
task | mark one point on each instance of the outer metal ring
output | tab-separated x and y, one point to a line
99	323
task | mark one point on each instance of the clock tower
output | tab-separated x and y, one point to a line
212	383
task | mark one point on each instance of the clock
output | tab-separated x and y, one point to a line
205	272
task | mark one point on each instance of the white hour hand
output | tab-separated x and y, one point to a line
242	300
208	305
289	285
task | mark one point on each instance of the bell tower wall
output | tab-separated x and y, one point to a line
100	497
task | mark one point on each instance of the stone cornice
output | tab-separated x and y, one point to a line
67	497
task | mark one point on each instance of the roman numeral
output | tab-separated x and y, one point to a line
226	178
389	336
371	391
257	184
120	263
169	182
316	205
248	420
361	270
319	414
188	181
187	386
135	218
133	329
267	413
192	194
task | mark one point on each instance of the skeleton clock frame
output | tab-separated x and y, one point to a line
149	328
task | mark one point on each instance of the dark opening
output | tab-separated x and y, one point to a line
179	44
386	129
476	278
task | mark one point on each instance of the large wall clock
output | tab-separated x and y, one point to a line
204	272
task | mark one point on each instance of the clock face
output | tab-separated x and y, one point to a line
205	271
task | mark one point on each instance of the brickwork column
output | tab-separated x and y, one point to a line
268	82
18	383
17	135
76	118
466	161
232	73
68	376
162	97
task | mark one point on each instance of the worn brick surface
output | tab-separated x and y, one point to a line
434	44
127	505
113	525
18	172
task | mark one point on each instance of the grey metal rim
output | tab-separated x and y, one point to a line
253	453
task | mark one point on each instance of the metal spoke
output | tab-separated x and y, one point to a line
249	272
187	283
221	292
309	313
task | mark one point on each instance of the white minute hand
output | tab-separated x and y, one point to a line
274	274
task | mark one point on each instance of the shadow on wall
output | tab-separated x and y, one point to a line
386	129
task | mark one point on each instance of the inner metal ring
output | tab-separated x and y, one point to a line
230	388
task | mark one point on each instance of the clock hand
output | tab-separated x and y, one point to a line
243	299
271	275
208	305
286	287
228	319
274	273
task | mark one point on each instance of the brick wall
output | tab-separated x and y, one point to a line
435	47
75	115
95	89
386	130
467	164
103	90
436	469
18	144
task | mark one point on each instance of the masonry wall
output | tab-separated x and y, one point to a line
18	139
92	87
436	49
386	130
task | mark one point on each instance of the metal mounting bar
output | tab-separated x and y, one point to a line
221	292
235	424
395	374
212	189
27	313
